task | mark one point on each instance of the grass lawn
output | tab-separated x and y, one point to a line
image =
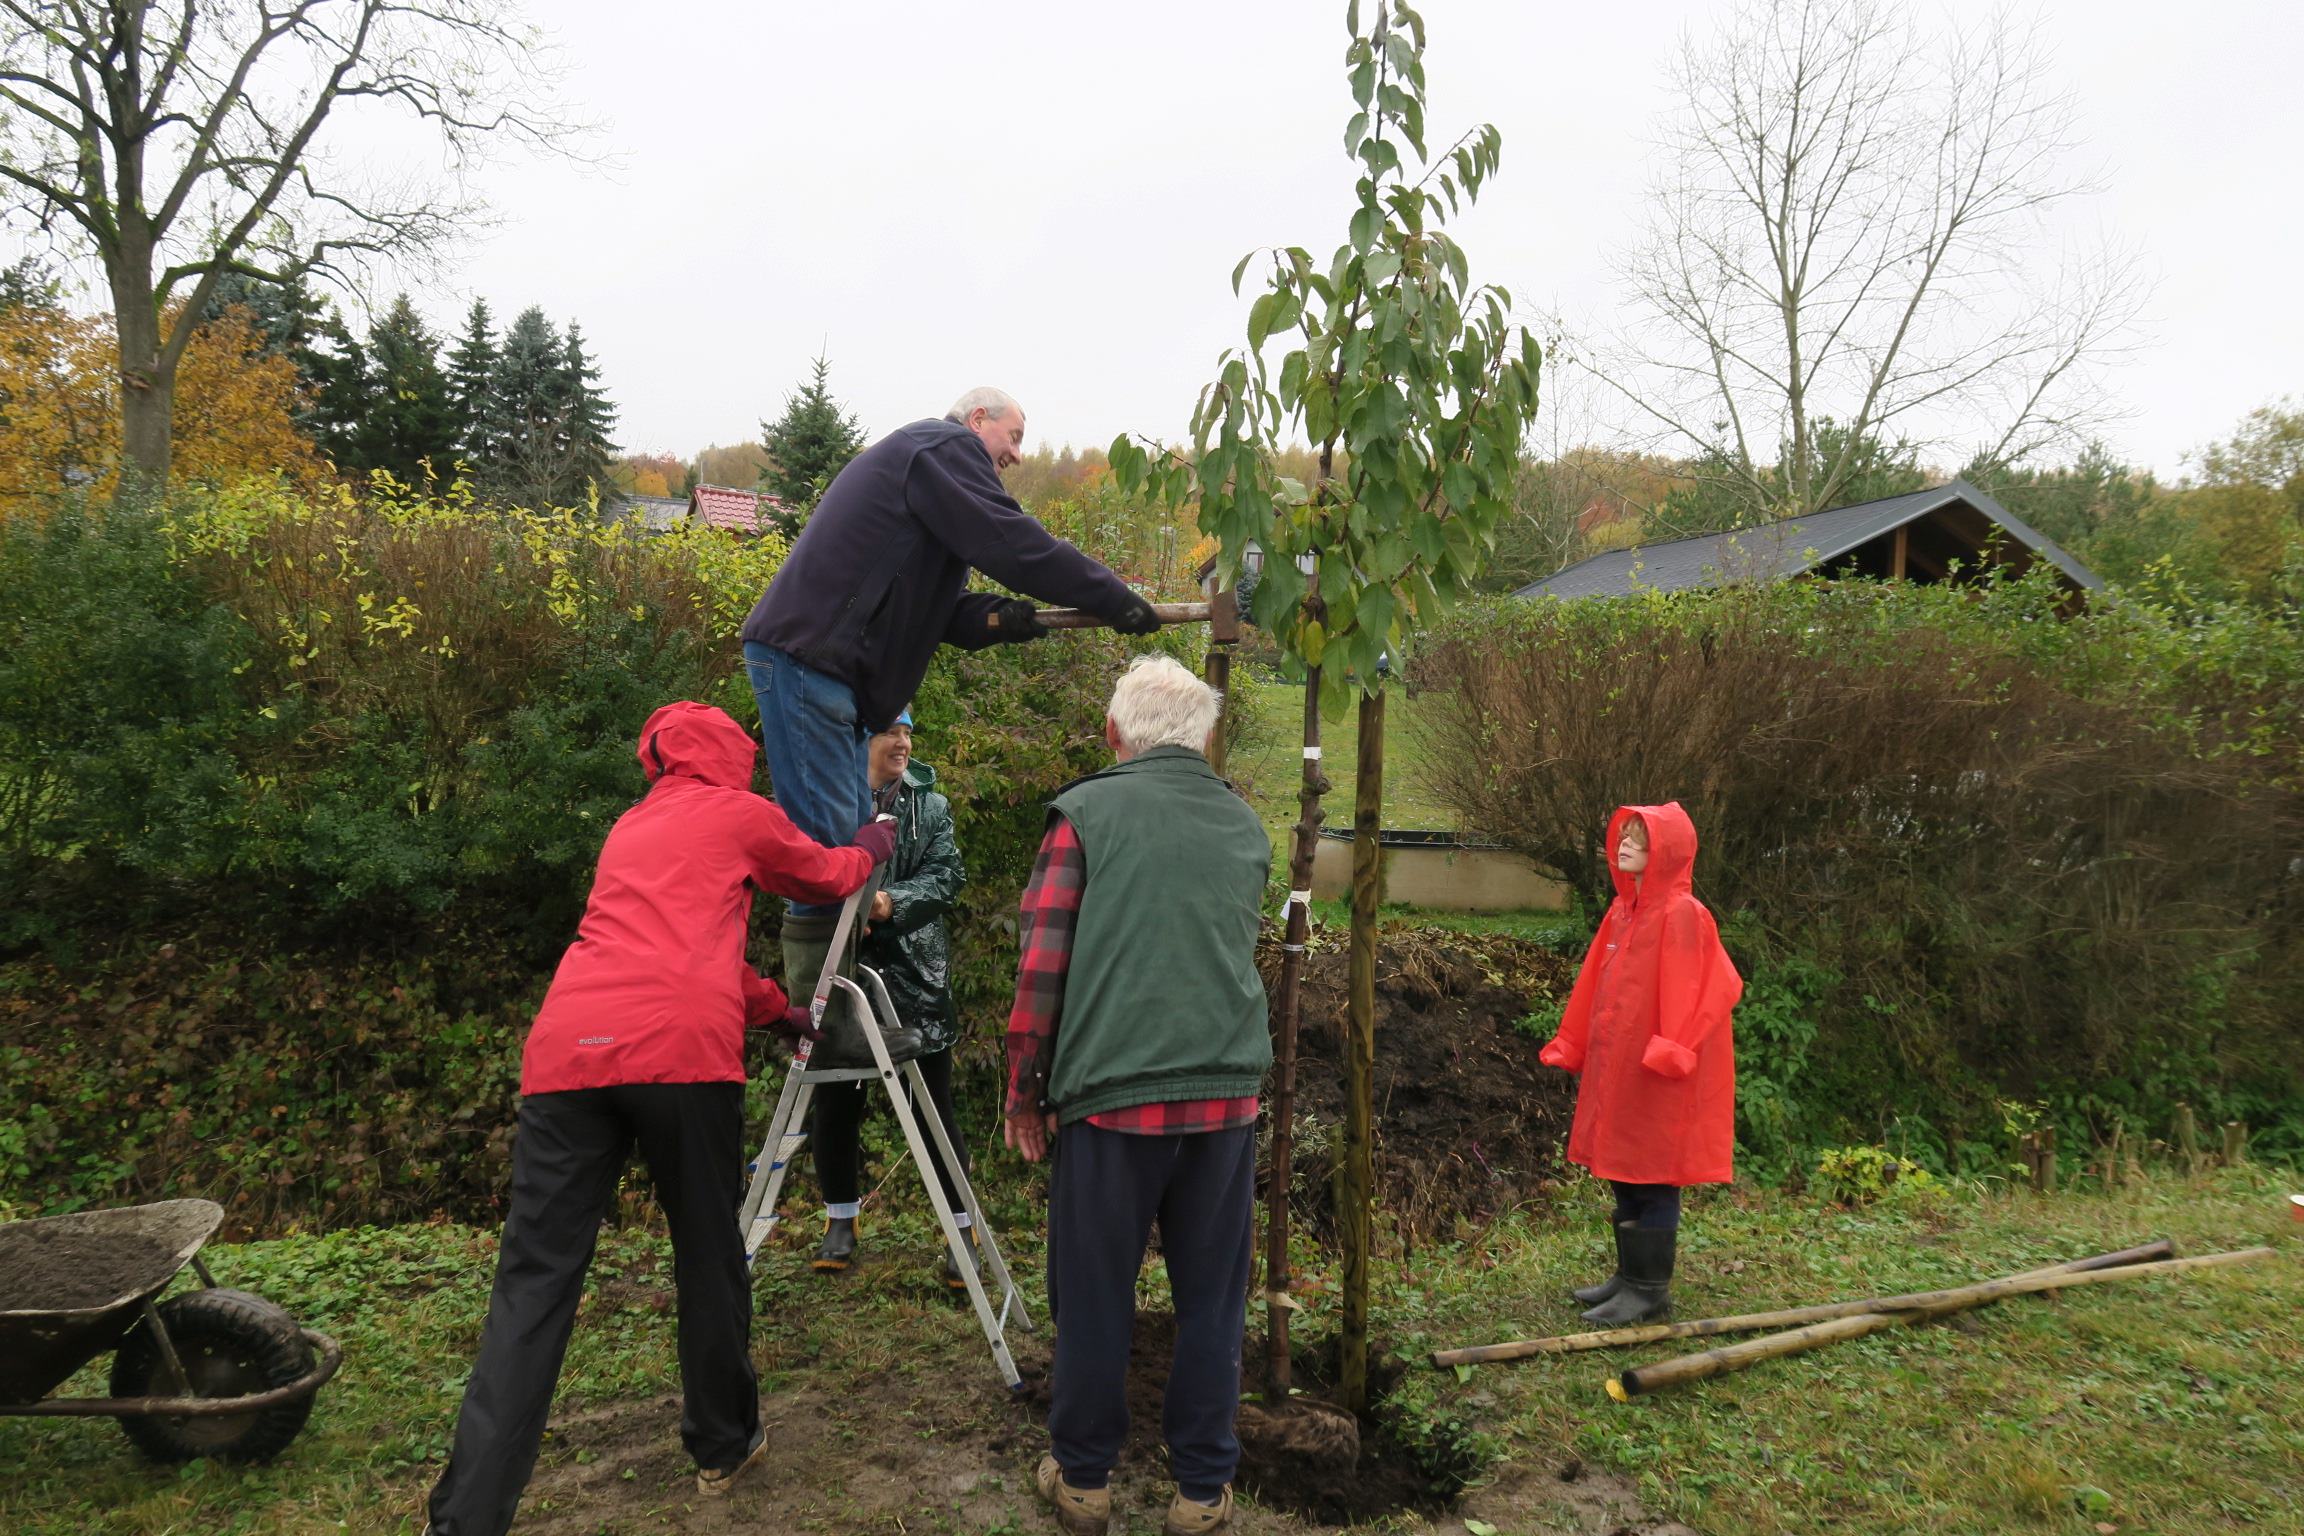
2155	1406
1269	760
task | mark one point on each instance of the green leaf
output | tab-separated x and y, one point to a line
1364	82
1381	267
1354	132
1476	1527
1239	271
1260	319
1364	225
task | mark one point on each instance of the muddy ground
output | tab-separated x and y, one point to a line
942	1451
1467	1123
924	1441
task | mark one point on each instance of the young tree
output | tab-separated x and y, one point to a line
182	144
471	367
1848	229
1393	354
407	424
809	444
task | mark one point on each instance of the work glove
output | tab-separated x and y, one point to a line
877	838
1015	621
1135	617
796	1025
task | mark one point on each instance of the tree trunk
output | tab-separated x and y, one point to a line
1299	925
1357	1185
147	382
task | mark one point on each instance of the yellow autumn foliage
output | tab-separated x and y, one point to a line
60	407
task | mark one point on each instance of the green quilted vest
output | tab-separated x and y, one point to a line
1161	999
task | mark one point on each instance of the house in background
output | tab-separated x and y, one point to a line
1951	532
656	514
725	507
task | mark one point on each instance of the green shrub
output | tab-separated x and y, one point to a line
299	803
1963	845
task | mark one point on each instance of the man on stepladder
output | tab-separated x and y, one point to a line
1136	1048
876	581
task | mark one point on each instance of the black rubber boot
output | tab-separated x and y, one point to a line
1593	1295
838	1249
954	1280
1646	1254
807	943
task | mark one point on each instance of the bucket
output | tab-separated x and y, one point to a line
2296	1207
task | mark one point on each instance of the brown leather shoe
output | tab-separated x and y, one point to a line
1187	1517
1079	1511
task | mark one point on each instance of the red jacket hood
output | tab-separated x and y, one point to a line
1671	850
697	741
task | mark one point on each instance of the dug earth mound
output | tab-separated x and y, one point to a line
1467	1123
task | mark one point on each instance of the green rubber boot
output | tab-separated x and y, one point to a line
807	944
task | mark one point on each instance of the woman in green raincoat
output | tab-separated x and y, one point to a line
908	945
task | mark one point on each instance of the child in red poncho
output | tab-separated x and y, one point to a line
1647	1029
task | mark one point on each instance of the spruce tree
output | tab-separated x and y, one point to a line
470	367
807	446
585	444
410	420
528	402
335	373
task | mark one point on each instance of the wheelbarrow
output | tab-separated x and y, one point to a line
208	1372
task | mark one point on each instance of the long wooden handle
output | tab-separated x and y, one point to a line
1081	618
1734	1357
1754	1322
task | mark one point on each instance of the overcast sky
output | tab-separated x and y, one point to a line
1050	196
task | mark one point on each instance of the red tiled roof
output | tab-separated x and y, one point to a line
724	506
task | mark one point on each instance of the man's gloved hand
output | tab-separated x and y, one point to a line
877	838
796	1025
1137	618
1016	620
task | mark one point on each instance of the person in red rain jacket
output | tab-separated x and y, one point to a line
1647	1030
641	1041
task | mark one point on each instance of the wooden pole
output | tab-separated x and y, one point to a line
2235	1143
2188	1138
1754	1322
1223	630
1277	1302
1081	618
1357	1189
1735	1357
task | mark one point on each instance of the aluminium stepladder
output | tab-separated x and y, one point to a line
758	1219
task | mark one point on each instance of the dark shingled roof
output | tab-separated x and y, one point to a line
1779	551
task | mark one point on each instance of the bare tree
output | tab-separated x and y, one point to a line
178	143
1844	249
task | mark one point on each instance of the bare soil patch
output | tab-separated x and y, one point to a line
1468	1124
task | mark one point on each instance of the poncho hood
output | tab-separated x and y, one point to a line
1671	851
696	741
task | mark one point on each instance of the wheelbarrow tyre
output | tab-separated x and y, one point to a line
232	1344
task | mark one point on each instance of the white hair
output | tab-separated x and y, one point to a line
1159	703
992	402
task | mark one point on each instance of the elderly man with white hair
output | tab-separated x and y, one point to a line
1136	1047
837	645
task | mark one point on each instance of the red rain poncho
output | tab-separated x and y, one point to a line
1647	1025
655	989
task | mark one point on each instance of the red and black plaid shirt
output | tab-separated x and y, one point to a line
1048	916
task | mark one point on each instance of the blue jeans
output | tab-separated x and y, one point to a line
818	751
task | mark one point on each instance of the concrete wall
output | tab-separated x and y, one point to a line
1444	879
